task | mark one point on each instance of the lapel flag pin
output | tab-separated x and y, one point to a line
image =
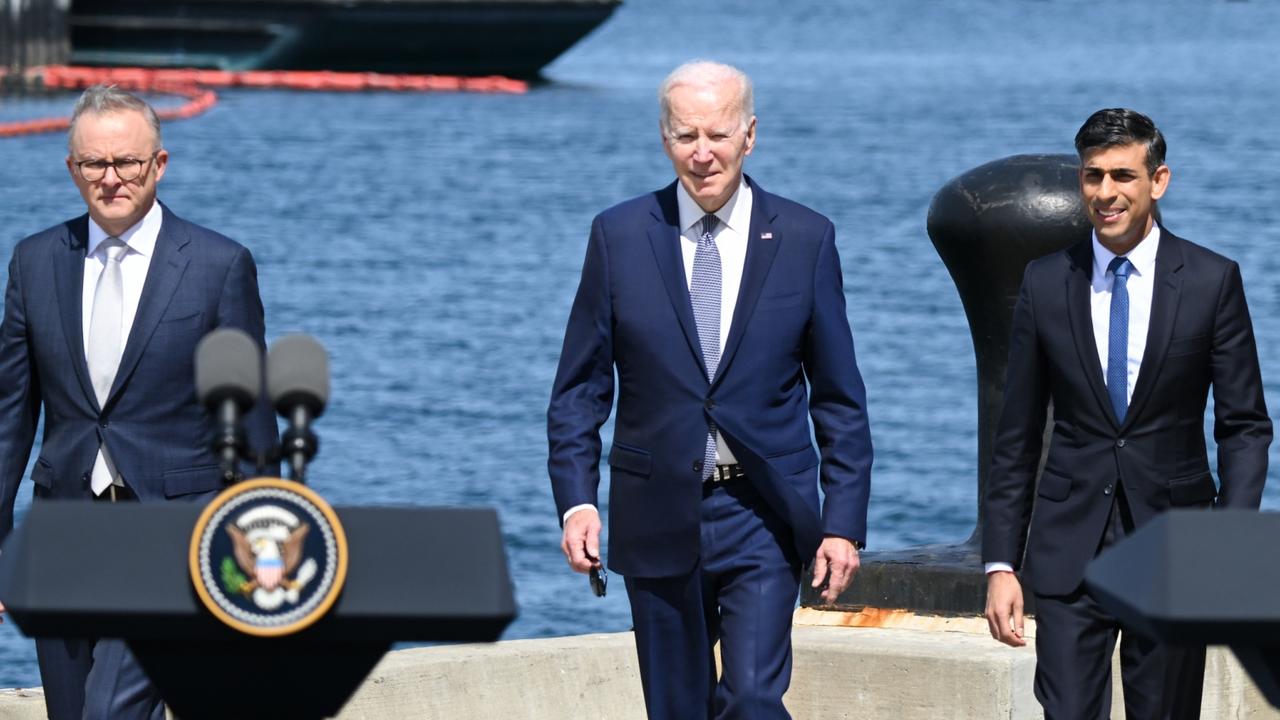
766	236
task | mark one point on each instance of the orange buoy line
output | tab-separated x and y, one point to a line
194	84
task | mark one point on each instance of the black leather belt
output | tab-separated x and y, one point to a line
725	473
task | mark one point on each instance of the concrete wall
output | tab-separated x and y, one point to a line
927	669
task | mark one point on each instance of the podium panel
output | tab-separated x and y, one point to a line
1200	577
82	569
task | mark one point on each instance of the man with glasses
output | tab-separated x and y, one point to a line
101	318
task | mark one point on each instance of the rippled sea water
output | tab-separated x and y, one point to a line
433	242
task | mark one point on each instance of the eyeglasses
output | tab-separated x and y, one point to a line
127	169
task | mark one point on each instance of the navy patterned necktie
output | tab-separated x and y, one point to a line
1118	338
704	292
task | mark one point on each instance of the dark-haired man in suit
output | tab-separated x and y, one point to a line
101	319
722	310
1125	333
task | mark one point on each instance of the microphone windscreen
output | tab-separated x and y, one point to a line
228	366
298	374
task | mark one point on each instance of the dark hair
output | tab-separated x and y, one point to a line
1121	126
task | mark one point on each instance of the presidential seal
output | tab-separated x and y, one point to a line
268	557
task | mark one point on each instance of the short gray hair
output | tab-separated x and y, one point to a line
703	73
105	99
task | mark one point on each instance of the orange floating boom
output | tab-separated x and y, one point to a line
194	84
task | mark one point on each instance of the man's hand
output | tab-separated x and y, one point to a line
581	541
836	562
1004	608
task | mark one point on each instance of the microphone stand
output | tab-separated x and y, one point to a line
298	443
230	442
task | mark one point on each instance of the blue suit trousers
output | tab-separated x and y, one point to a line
742	594
95	680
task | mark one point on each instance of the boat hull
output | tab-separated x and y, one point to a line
514	38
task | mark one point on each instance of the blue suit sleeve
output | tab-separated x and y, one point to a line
241	307
582	394
19	396
837	402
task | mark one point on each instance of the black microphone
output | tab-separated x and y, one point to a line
228	381
298	384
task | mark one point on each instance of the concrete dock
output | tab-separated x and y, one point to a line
863	666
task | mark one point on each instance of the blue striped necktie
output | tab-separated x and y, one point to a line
704	292
1118	338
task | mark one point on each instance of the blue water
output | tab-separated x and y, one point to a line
433	242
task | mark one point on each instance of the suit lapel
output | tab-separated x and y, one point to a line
664	237
1165	295
68	277
163	277
762	246
1080	315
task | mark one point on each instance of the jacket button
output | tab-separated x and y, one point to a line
1120	443
710	404
1108	489
697	466
103	424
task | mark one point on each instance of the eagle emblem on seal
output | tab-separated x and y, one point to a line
268	557
267	564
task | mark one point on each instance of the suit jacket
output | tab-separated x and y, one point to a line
1199	338
633	313
157	433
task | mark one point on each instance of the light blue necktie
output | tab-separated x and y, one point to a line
106	338
704	292
1118	338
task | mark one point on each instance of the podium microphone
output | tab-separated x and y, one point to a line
298	384
228	367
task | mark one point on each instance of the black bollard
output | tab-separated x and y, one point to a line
986	224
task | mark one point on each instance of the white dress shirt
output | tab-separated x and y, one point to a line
1141	286
731	241
140	241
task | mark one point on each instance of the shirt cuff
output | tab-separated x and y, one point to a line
575	509
990	567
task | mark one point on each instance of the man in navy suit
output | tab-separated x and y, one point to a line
1125	334
101	319
721	308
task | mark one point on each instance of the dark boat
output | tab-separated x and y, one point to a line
515	38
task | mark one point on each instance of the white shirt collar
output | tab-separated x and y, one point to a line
141	238
1142	256
734	214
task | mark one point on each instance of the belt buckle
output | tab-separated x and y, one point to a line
725	473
